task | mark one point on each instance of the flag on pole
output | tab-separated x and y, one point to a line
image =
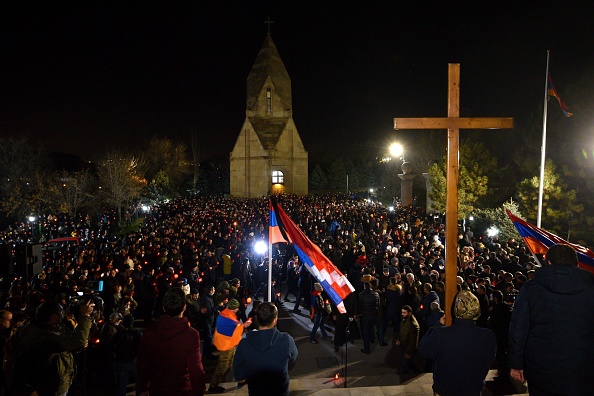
553	92
274	232
333	281
539	241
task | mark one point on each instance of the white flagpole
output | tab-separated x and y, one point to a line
269	255
269	270
543	147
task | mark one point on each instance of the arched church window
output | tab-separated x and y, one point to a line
268	100
277	177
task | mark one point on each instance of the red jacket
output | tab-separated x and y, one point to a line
169	361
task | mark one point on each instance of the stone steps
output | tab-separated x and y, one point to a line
377	386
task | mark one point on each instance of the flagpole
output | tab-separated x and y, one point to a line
269	270
544	146
269	254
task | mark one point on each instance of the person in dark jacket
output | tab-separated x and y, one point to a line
550	335
499	323
318	312
436	317
462	353
425	309
206	321
169	362
408	339
481	294
264	356
345	322
368	308
47	334
125	345
303	287
391	310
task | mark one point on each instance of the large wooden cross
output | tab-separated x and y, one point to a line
453	123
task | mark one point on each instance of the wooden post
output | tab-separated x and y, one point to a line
453	123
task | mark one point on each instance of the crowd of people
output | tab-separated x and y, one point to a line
205	247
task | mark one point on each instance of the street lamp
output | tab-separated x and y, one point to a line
32	219
397	151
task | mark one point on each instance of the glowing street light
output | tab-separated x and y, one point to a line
397	151
260	247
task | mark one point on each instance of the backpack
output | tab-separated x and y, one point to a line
125	345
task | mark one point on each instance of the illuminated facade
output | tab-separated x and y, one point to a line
268	156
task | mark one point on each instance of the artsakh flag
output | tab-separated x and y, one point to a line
553	92
333	281
539	241
274	232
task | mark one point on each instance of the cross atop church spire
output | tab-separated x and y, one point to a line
268	21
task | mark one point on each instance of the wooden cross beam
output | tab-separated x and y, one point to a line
453	123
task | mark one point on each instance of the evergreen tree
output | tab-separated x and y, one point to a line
475	162
559	209
160	188
497	218
171	158
337	176
317	179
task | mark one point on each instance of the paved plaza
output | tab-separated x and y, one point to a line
369	375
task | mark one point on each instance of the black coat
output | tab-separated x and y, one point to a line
550	335
369	303
462	355
499	321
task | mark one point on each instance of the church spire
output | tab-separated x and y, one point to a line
269	65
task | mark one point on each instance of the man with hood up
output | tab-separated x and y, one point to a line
264	356
550	334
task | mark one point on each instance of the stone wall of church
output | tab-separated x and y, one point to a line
249	177
248	166
251	166
290	157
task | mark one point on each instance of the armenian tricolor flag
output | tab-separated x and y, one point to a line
553	92
539	241
333	281
228	331
274	232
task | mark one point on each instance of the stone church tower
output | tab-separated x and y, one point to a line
268	156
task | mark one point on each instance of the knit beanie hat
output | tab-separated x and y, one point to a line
467	306
232	304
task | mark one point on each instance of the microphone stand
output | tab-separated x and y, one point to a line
347	333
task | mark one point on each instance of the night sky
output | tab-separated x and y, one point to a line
83	77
